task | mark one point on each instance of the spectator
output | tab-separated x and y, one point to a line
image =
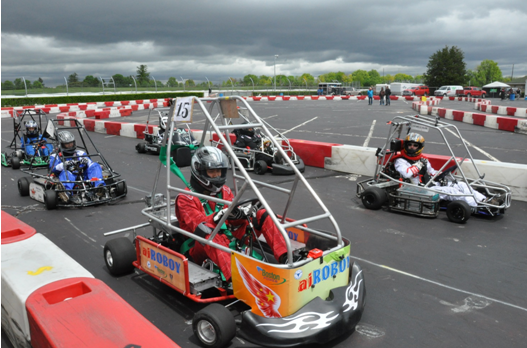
502	94
518	93
388	93
370	96
381	95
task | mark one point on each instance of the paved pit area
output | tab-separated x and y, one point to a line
430	283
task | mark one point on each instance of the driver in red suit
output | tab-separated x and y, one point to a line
208	175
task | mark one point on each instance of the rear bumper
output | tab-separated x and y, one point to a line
318	322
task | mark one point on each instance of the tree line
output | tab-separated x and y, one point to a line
445	67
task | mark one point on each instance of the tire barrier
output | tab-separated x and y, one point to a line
50	300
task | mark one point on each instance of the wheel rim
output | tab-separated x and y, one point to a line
458	213
369	199
109	258
206	331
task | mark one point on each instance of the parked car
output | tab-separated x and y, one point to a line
417	91
471	92
447	91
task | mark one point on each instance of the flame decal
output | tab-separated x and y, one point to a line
267	300
352	294
304	321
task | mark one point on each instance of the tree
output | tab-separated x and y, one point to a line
446	67
247	80
37	84
90	81
485	73
373	78
172	82
73	79
19	84
142	75
41	81
400	77
8	85
119	80
361	76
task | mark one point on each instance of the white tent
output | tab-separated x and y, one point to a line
496	85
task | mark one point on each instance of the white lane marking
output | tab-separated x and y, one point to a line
474	146
300	125
75	227
440	284
135	188
367	140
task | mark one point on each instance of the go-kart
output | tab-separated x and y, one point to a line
44	186
387	187
17	156
257	152
318	295
181	138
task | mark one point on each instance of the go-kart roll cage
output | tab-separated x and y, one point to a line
222	130
399	123
81	131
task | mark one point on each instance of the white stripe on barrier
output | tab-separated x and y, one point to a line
99	127
27	266
128	130
491	121
467	117
448	114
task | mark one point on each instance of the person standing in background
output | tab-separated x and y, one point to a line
370	96
381	95
388	93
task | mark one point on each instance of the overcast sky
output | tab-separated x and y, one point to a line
217	39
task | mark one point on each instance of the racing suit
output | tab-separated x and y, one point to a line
190	212
92	172
29	148
408	170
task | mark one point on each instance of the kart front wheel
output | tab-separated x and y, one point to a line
373	198
140	148
458	212
214	326
121	188
23	186
119	255
260	167
15	162
50	198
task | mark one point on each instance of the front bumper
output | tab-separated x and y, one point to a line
319	321
285	169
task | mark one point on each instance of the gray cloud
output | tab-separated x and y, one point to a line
219	39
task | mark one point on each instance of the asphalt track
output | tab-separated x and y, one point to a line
430	283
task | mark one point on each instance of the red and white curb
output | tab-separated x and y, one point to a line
50	300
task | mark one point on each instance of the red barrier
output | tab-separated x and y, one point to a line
102	114
257	98
361	97
90	113
313	153
83	107
64	108
146	106
126	112
479	119
300	97
89	125
507	123
330	97
271	98
511	111
113	128
494	109
140	128
153	100
14	230
135	107
139	102
345	97
458	115
215	137
85	312
314	97
286	97
108	103
125	102
441	112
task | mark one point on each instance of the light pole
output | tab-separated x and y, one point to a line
276	55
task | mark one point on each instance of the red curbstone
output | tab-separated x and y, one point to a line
89	125
140	128
85	312
64	108
46	110
126	112
14	230
83	107
286	97
271	98
511	111
108	103
113	128
441	112
139	102
125	102
135	107
311	157
51	105
345	97
89	113
300	97
507	123
314	97
146	106
257	98
458	115
479	119
153	100
494	109
102	114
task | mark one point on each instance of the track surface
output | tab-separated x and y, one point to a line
430	283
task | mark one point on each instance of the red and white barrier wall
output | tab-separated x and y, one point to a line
50	300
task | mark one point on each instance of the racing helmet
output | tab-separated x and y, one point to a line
208	157
247	131
67	143
163	122
31	128
415	139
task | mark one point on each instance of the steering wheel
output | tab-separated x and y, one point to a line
445	172
251	202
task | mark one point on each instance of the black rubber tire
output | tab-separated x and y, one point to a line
373	198
260	167
23	186
214	326
458	212
15	162
50	198
121	188
140	148
119	255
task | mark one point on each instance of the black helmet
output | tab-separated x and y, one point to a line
163	122
417	139
206	158
31	128
67	143
247	131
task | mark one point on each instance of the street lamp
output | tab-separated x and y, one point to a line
276	55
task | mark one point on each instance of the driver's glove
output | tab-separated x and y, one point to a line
236	214
83	160
69	165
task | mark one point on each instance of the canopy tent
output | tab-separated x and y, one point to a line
496	84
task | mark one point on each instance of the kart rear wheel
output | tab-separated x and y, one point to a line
119	255
15	162
214	326
121	188
50	198
458	212
260	167
23	186
373	198
140	148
